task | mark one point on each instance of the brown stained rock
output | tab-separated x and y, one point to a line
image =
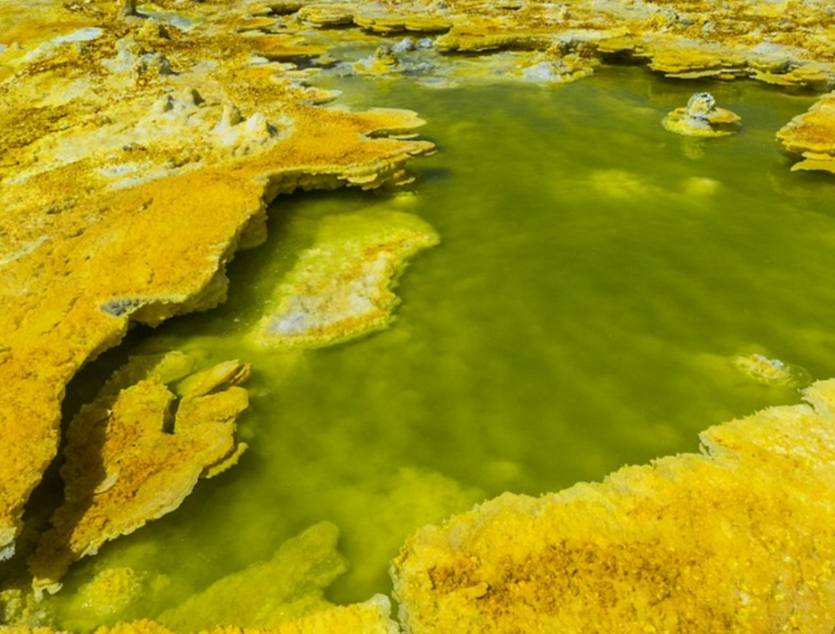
737	539
125	193
135	453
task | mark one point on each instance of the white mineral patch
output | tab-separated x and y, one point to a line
48	49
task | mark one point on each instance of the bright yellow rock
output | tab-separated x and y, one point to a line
735	539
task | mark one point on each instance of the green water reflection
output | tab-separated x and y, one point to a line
595	278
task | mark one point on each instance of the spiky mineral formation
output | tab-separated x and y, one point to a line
131	459
738	538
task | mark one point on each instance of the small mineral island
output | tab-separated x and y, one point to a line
523	375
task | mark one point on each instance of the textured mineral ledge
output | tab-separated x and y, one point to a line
737	539
138	156
782	43
131	457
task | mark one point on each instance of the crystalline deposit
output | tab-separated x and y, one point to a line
701	118
812	136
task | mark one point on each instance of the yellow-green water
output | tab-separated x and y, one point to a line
595	278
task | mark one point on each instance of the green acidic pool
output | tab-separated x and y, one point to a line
595	279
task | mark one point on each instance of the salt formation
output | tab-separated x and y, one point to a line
701	118
131	457
340	287
737	538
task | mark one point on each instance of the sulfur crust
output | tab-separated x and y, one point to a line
812	135
739	538
85	250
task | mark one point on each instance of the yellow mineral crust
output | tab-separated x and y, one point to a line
701	118
812	135
139	154
133	456
738	538
340	287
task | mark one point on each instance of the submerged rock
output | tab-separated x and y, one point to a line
267	594
340	287
136	452
701	118
736	538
